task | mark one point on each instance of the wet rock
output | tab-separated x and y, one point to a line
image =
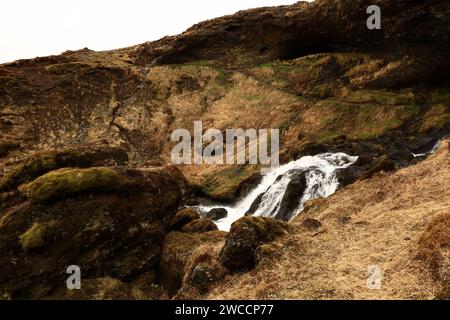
255	205
216	214
246	234
192	202
249	184
292	196
182	218
290	200
199	225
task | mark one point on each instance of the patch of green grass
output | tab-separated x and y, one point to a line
364	116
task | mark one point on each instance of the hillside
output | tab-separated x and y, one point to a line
86	176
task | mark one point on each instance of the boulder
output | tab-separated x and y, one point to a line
182	218
100	231
216	213
43	162
255	205
246	234
177	250
68	181
199	225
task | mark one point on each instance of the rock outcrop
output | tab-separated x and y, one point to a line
108	221
247	234
177	250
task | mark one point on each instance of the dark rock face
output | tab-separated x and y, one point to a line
265	34
199	225
217	213
292	196
254	205
246	234
42	162
182	218
290	200
102	232
249	184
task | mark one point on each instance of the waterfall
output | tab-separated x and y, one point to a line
320	179
433	150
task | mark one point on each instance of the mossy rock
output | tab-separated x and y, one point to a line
177	250
224	184
43	162
35	237
247	234
67	181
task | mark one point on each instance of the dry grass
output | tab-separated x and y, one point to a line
434	247
388	215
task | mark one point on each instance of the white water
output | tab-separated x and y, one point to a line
433	150
320	174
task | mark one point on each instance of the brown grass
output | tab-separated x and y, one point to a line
434	246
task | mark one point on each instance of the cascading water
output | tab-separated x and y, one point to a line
320	179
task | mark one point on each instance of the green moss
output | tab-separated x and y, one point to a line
251	98
223	184
35	237
63	182
268	229
43	162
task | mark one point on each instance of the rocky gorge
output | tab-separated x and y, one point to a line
86	176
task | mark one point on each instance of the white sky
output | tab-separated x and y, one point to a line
30	28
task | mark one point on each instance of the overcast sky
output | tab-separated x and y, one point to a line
30	28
